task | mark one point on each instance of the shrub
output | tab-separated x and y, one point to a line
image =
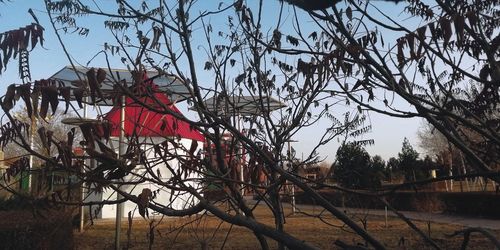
473	203
470	203
23	230
14	203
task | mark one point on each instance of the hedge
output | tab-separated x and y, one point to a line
22	229
478	204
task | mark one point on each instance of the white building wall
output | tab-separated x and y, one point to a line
164	196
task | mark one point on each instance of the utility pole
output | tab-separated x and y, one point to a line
119	206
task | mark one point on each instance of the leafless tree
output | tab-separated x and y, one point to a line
340	59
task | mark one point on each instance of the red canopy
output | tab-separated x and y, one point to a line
143	122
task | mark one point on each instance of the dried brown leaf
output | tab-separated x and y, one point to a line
78	93
459	22
348	13
94	85
401	55
43	137
8	100
101	75
410	39
446	29
65	92
143	202
421	39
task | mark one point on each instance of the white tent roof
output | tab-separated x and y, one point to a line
243	105
171	85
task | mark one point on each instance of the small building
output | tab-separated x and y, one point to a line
149	128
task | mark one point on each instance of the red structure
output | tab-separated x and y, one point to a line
152	121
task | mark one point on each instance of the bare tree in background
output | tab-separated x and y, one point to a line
53	123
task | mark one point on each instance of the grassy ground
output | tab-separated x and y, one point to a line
207	232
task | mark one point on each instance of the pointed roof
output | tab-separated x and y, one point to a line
170	84
155	122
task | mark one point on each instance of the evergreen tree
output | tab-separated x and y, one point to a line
354	168
409	164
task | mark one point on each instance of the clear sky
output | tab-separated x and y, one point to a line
387	132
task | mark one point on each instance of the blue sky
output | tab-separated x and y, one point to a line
387	132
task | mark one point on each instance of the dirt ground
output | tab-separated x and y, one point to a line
208	232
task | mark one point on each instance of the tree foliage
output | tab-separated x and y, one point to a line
18	43
355	169
409	163
408	158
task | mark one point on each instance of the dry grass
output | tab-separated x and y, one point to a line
198	232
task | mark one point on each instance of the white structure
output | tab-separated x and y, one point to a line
163	195
151	129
